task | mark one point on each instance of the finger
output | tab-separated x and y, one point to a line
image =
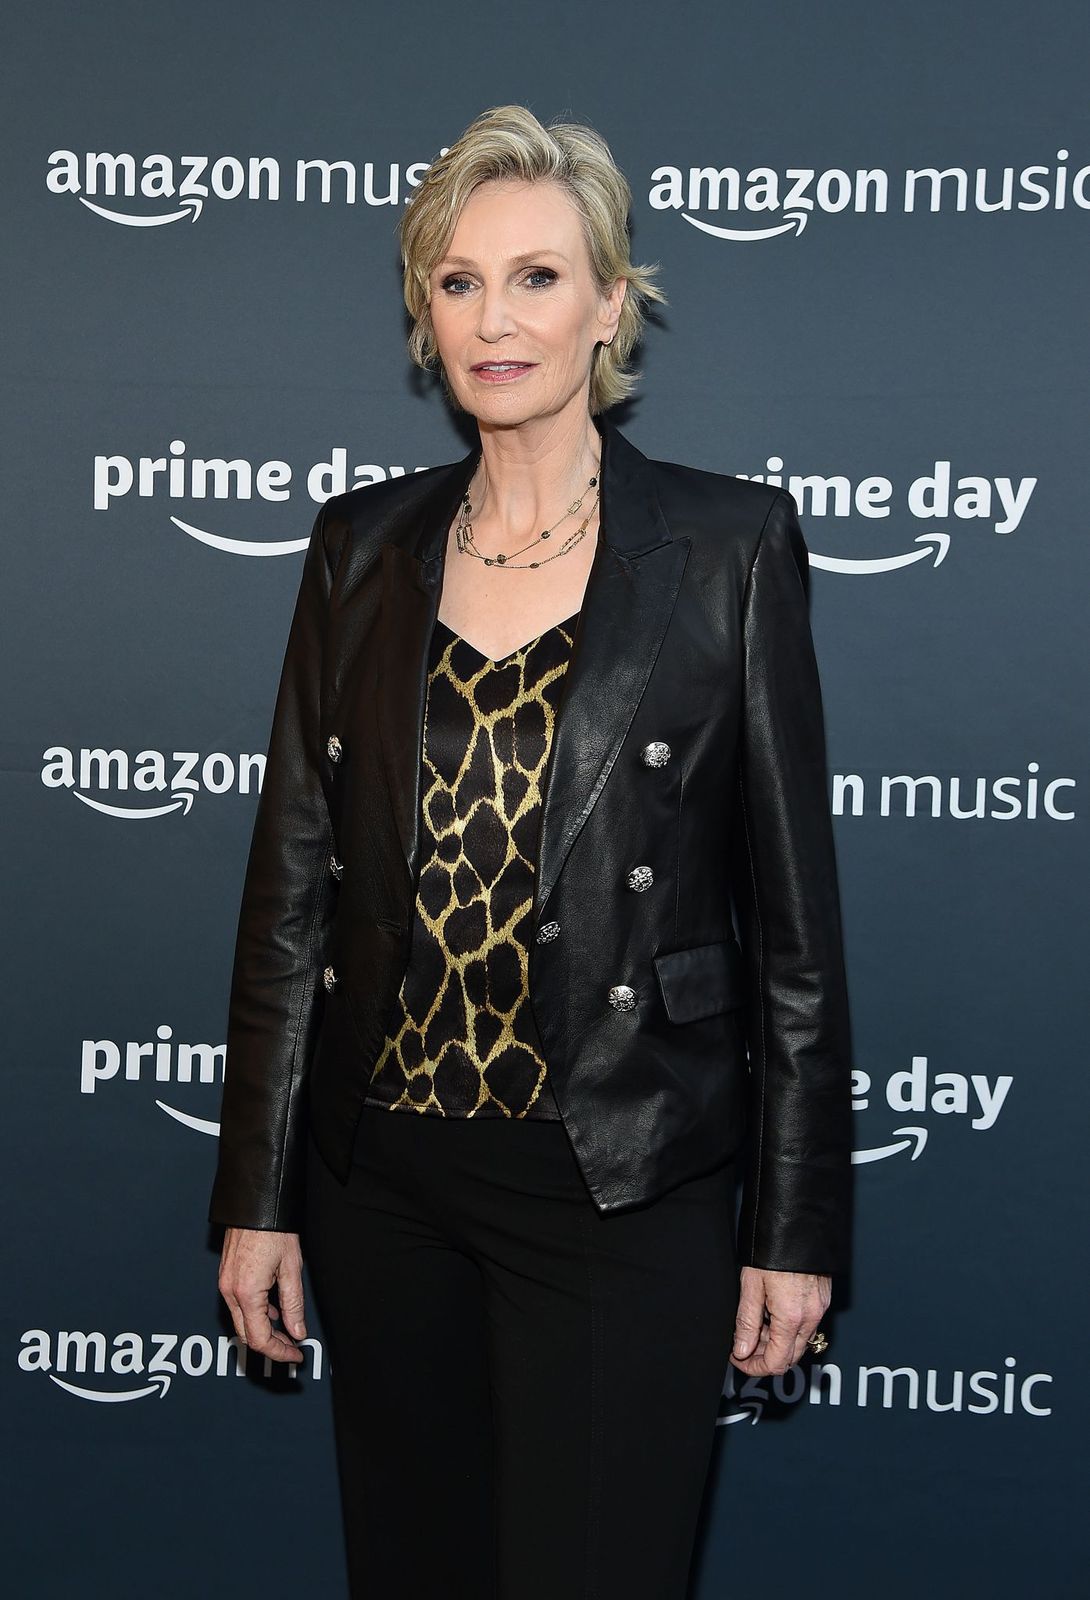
290	1295
798	1349
265	1340
258	1331
747	1322
754	1365
280	1348
806	1333
773	1355
782	1336
257	1328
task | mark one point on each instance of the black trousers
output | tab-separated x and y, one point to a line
524	1391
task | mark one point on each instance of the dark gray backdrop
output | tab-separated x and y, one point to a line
871	342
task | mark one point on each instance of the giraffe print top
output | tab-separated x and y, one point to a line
463	1042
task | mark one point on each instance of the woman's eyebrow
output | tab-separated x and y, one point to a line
515	261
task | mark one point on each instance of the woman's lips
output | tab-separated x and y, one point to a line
508	375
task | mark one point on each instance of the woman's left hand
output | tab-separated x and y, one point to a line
796	1303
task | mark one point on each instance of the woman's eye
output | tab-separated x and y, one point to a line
458	285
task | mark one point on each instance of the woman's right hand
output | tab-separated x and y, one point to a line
254	1259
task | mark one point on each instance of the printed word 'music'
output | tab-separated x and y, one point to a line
964	800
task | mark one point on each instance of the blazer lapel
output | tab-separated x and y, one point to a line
410	604
625	613
627	603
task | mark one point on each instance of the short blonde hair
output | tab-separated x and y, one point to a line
508	142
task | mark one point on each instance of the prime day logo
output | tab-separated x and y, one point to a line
176	476
911	1098
940	500
162	1061
919	522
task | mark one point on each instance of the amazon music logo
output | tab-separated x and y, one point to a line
1007	797
1002	1391
152	191
762	202
912	1096
163	1061
176	476
150	784
767	203
947	506
114	1368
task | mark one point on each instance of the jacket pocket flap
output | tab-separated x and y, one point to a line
702	981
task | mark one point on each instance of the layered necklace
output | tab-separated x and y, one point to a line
464	533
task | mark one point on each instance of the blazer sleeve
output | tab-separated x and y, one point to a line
796	1195
276	996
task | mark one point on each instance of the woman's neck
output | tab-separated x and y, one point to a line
529	475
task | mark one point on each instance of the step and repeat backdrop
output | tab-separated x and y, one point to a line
872	225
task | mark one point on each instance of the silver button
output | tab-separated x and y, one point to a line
336	867
547	931
334	748
621	997
655	754
640	878
330	979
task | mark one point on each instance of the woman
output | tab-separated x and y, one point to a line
546	714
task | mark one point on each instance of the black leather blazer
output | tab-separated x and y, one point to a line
689	741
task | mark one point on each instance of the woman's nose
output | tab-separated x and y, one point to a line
496	317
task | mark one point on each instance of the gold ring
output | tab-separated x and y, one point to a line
818	1342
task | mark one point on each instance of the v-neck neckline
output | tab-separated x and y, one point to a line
499	661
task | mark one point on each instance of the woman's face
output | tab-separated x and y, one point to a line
516	286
